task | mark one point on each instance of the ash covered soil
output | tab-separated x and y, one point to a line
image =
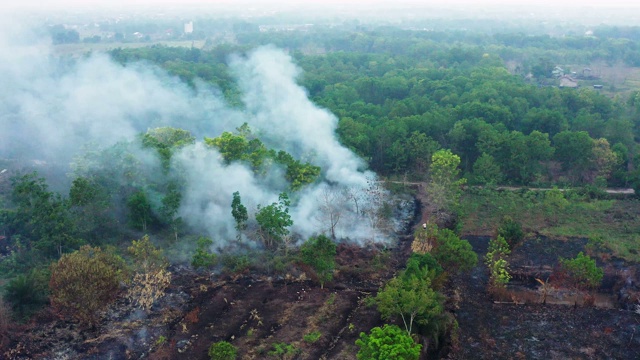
252	312
511	329
260	314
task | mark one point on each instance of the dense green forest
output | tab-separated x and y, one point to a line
401	95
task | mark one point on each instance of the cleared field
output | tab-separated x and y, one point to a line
616	222
616	79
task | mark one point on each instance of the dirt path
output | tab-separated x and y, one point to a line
422	185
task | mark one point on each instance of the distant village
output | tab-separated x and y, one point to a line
571	79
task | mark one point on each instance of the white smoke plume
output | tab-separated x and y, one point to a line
50	109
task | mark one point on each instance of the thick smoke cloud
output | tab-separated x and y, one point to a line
50	109
282	109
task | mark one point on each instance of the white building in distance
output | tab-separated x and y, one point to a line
188	27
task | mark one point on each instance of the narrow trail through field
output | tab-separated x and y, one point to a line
422	185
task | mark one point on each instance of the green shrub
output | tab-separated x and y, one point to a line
500	276
593	192
583	271
511	231
235	263
222	350
26	294
595	245
320	253
283	350
203	258
497	263
387	343
426	260
453	253
161	340
312	337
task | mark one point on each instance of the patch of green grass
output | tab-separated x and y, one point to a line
615	221
312	337
283	351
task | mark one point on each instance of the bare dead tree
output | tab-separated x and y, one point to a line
332	204
374	206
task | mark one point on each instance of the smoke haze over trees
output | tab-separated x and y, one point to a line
53	110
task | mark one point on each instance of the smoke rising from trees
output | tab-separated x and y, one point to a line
54	108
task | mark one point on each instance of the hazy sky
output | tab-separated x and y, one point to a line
452	3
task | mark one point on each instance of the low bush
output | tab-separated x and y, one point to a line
283	351
26	294
387	343
223	350
85	282
583	271
312	337
203	258
235	263
511	231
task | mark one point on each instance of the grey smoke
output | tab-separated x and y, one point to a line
51	110
281	109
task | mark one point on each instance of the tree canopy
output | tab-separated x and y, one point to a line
388	342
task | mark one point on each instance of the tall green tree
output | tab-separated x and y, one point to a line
410	297
239	213
298	174
42	217
140	213
232	147
274	221
170	206
420	149
166	140
574	150
539	151
90	208
486	171
444	186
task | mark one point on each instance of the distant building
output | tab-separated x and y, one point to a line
286	27
568	82
188	27
558	72
597	87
